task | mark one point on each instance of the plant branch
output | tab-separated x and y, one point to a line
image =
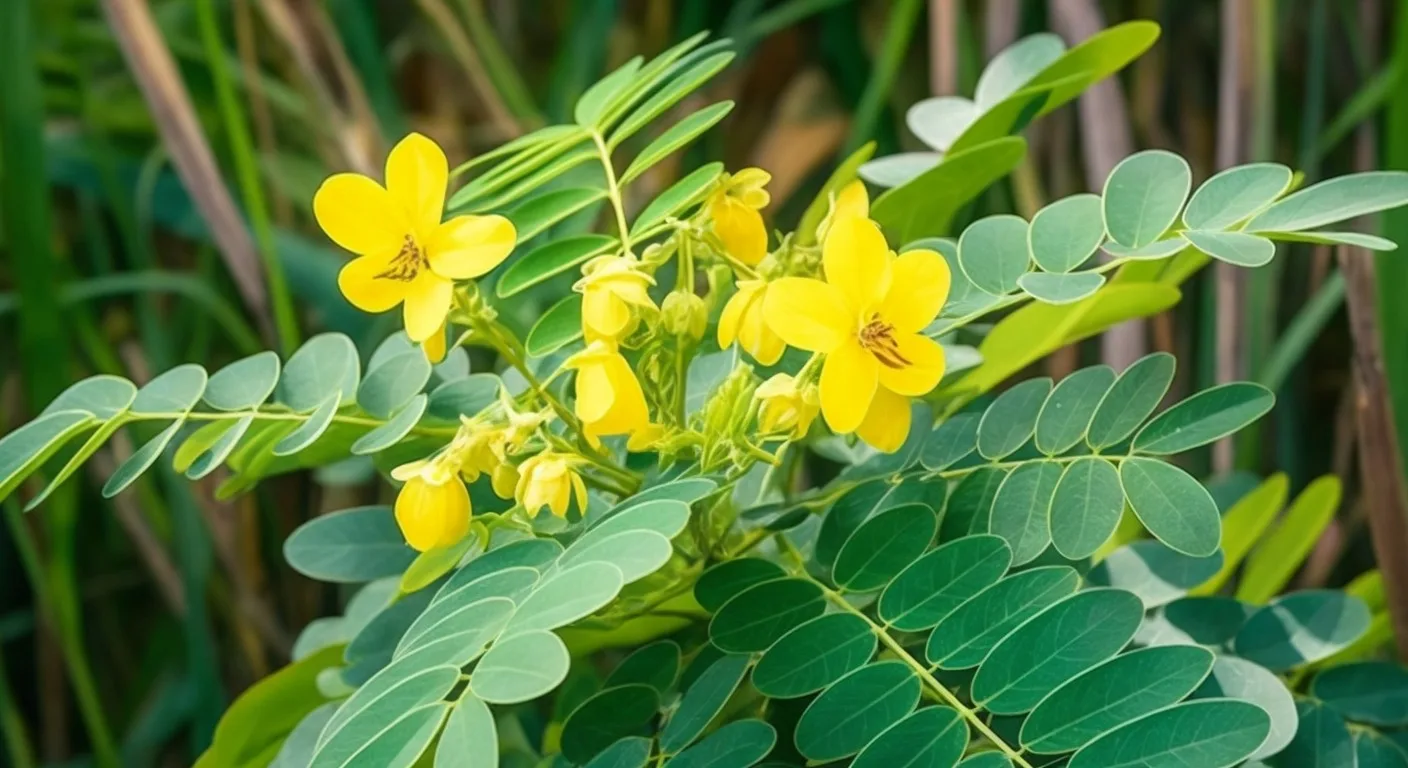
613	190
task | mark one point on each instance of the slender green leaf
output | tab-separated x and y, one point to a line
1065	415
1021	512
965	637
851	713
1234	194
520	668
675	137
1009	422
1216	733
1338	199
936	584
814	655
883	546
1086	507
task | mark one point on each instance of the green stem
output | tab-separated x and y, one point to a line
924	675
247	174
613	190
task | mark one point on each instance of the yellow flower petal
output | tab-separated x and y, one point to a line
886	424
808	314
432	515
754	335
925	368
359	215
848	384
416	176
467	247
628	411
503	480
579	489
604	314
857	261
740	228
358	281
918	289
428	299
435	347
594	393
852	201
732	316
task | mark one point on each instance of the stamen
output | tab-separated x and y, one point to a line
878	337
406	264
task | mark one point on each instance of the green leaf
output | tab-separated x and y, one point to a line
473	626
572	594
1216	733
633	752
101	396
969	507
724	581
675	137
1177	509
851	713
1236	248
1234	678
936	584
926	206
1211	621
140	461
1130	400
636	554
431	564
463	397
932	737
351	546
556	328
993	253
1008	423
1301	628
392	431
1357	239
814	655
470	739
511	584
520	668
325	366
965	637
954	439
392	384
844	173
550	167
601	94
175	391
756	617
1372	692
1337	199
1065	416
1282	550
1243	526
1061	289
1152	570
1021	511
220	450
1155	251
703	701
1094	59
659	512
656	665
1122	689
1086	507
535	215
986	760
1015	66
1204	418
297	749
1144	195
371	718
737	745
883	546
551	259
680	195
606	717
1236	193
940	120
1066	233
678	87
244	383
900	169
865	501
309	431
268	710
1372	750
1084	630
26	448
1322	739
528	553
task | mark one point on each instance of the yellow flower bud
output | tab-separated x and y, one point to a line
685	314
549	480
432	508
786	407
851	202
733	209
613	289
609	399
744	322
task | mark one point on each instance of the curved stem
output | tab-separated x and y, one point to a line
613	190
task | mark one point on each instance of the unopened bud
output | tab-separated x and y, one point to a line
685	314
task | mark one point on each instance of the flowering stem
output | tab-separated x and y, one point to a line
613	190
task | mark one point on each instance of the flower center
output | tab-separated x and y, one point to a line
406	264
878	336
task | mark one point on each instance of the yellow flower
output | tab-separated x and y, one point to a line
609	398
433	507
645	438
786	407
435	347
866	317
734	207
743	320
851	202
613	288
405	254
549	480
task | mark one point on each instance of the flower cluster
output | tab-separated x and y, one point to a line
858	308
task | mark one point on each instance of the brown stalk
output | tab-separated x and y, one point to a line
444	19
155	70
1106	139
260	115
943	47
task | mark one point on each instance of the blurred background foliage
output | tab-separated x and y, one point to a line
157	159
